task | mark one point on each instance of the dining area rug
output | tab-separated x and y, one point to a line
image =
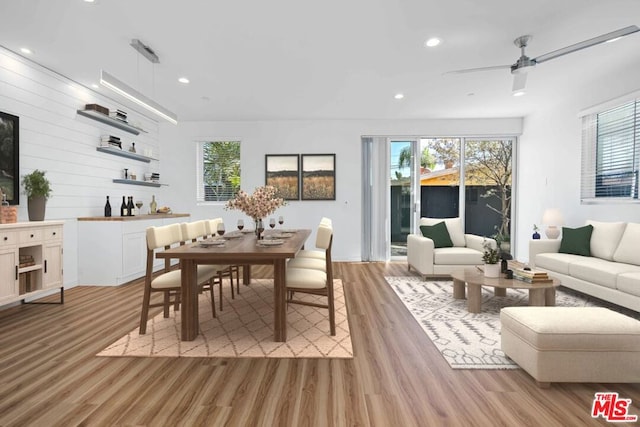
244	328
472	340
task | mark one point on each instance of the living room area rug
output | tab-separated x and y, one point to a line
244	328
472	340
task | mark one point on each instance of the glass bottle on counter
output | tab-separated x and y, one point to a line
123	208
107	208
130	207
153	207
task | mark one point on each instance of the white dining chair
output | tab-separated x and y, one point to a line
315	281
168	280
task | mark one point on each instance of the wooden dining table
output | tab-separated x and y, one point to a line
243	250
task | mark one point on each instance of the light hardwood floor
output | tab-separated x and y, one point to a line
50	376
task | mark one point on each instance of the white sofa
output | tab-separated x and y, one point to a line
611	273
427	260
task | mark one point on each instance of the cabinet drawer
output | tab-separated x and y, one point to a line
52	234
8	238
30	236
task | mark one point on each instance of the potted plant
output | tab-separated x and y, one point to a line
491	257
536	235
38	189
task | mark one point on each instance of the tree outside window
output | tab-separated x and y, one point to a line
220	170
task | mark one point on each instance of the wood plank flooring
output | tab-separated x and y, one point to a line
50	376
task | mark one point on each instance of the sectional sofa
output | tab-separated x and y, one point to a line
606	265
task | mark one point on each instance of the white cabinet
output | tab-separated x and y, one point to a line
30	259
113	251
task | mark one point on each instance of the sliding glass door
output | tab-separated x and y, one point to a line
402	193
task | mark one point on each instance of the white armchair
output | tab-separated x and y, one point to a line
426	259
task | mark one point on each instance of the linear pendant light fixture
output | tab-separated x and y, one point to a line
131	94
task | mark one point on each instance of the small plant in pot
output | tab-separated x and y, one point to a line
536	235
491	258
38	189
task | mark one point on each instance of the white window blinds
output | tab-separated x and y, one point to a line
611	154
217	170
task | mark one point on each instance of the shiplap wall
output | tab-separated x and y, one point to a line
54	138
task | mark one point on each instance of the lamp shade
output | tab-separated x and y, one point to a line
552	216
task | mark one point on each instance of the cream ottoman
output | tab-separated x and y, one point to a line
572	344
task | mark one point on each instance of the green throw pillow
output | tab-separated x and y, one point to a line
438	233
576	241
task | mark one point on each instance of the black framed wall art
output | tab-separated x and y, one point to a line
283	172
9	157
318	176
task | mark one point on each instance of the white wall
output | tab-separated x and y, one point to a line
55	139
342	137
550	155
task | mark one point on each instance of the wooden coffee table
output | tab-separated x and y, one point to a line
541	294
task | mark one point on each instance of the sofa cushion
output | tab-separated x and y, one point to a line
438	233
558	263
576	241
629	283
457	256
628	250
605	238
599	271
454	226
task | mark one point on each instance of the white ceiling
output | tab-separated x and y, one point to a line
295	59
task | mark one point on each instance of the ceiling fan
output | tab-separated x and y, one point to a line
524	63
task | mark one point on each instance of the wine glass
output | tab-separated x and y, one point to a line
139	206
272	223
240	224
281	220
220	229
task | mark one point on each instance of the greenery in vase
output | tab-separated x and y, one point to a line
535	228
491	254
36	184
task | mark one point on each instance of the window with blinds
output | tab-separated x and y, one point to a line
611	154
218	166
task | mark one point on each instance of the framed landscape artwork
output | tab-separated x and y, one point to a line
283	172
9	165
318	176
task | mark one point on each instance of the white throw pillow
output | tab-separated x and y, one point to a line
628	250
454	227
605	238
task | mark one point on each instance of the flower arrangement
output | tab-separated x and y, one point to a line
490	255
258	205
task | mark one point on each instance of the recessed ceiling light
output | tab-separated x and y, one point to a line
183	80
432	42
26	50
399	96
95	86
89	1
519	93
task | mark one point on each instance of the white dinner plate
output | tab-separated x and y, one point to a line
270	242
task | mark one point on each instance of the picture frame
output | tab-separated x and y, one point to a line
9	157
318	176
282	171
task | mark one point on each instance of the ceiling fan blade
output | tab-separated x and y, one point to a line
587	43
519	82
473	70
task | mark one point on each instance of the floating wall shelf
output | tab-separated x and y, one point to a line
135	182
127	154
103	118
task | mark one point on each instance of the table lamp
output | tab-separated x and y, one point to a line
552	218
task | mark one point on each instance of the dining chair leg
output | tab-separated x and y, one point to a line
167	303
213	302
220	288
145	311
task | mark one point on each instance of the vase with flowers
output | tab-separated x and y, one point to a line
262	203
491	257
